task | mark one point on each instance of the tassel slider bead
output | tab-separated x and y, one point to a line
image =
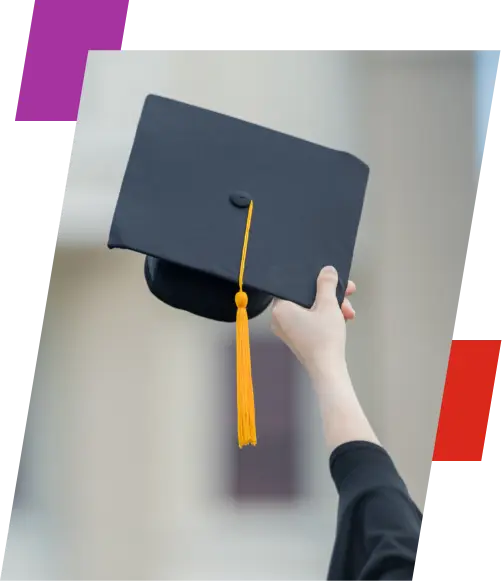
241	300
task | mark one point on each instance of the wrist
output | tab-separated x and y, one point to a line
342	416
330	376
345	422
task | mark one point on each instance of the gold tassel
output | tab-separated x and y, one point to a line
246	423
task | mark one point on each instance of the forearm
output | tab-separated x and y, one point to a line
342	415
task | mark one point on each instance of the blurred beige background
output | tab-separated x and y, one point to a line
124	473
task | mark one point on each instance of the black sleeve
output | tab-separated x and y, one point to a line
378	523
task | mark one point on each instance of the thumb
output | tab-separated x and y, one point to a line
327	282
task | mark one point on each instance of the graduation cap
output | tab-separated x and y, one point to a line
230	214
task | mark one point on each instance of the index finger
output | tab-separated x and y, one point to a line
351	288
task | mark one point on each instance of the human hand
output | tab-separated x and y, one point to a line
317	335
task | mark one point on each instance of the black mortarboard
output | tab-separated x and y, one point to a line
198	183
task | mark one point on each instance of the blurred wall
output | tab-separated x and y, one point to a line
123	465
421	130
